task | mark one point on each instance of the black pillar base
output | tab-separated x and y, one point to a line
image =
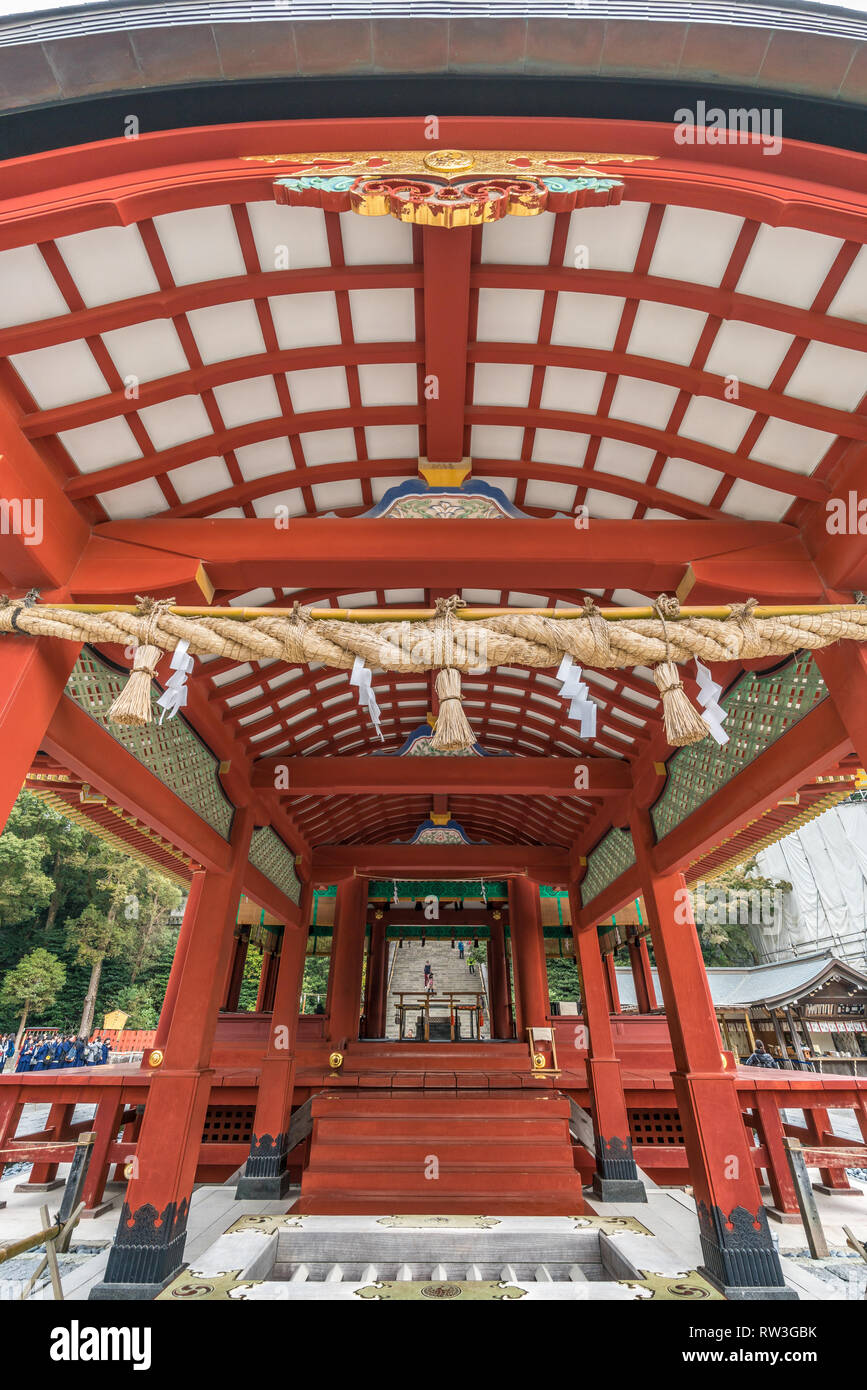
740	1258
265	1177
616	1178
147	1253
132	1293
262	1189
617	1189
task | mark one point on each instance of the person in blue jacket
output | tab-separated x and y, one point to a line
69	1053
40	1056
105	1049
55	1060
80	1045
25	1059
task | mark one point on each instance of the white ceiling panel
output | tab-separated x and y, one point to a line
225	331
261	460
331	496
200	479
60	375
176	421
391	441
136	500
305	320
291	499
509	316
148	351
568	389
375	240
318	388
719	423
200	244
507	486
791	446
587	320
756	503
242	402
643	402
747	352
555	497
388	383
518	240
694	244
608	505
611	237
502	383
100	445
30	291
382	316
666	331
288	238
788	265
496	442
624	460
831	376
850	301
108	263
689	480
329	446
560	446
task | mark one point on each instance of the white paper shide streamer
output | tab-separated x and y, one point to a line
174	697
709	692
577	692
362	677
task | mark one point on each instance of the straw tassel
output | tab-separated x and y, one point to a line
132	707
683	723
453	732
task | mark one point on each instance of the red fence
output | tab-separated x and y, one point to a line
127	1039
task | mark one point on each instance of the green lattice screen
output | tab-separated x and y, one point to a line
172	751
276	861
760	710
613	855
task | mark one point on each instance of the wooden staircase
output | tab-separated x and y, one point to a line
387	1153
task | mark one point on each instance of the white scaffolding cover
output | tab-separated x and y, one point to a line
826	863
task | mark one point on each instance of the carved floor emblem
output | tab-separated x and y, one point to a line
463	1223
673	1287
407	1290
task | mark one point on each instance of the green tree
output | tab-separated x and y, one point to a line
25	889
137	1003
315	981
104	928
728	906
32	986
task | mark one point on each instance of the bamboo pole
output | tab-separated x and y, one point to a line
470	614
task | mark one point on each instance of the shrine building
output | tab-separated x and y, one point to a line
431	520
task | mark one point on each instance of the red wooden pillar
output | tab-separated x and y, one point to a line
33	674
616	1178
647	972
377	965
106	1123
347	959
645	995
265	1175
236	969
267	957
43	1176
149	1244
528	953
739	1255
611	982
831	1180
271	982
498	980
181	947
844	670
779	1174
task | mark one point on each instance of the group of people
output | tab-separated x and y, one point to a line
761	1057
51	1051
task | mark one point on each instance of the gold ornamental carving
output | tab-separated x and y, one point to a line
447	187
